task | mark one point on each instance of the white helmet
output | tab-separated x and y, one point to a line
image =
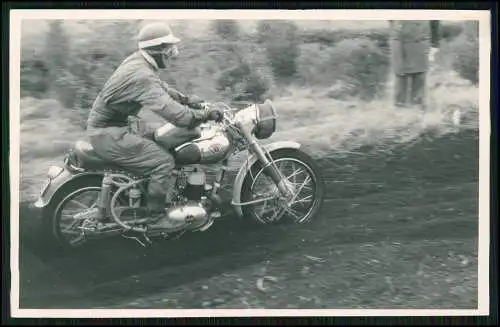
158	40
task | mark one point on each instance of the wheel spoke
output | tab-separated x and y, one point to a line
304	199
77	240
293	213
303	191
263	209
71	226
81	205
277	211
300	188
294	174
68	226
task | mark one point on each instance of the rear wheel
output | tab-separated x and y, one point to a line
60	229
301	172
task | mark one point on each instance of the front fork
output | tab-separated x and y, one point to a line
270	168
213	195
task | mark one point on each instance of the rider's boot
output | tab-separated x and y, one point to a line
156	206
155	211
159	196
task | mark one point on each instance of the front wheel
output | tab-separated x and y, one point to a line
301	172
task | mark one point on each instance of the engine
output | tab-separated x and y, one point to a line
191	214
191	207
191	183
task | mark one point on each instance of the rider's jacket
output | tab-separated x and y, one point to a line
411	40
135	85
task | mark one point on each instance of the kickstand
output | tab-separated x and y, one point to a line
142	236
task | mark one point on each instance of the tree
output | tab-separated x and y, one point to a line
279	38
226	28
57	47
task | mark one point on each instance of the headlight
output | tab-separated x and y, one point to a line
265	121
54	171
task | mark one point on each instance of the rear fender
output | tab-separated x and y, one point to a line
246	166
58	182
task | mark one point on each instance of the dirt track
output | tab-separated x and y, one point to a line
422	197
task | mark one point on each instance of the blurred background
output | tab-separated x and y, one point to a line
330	80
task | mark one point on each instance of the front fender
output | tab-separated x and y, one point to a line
240	177
57	182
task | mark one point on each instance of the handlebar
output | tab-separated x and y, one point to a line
225	108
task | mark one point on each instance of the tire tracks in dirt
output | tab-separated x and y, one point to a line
110	272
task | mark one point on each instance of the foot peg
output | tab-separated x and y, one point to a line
140	238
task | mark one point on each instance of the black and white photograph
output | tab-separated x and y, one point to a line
249	163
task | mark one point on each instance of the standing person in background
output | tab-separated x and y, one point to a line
414	44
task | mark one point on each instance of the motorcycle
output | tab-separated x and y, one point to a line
276	181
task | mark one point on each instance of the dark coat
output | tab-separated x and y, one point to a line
410	43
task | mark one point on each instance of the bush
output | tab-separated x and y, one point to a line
357	64
71	60
243	83
226	28
247	79
279	39
34	78
466	53
205	74
450	31
380	36
57	46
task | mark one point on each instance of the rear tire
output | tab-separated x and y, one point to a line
298	156
51	234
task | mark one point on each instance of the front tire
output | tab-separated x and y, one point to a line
301	161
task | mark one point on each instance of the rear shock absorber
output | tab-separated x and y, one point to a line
104	196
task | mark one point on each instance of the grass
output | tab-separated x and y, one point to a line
327	127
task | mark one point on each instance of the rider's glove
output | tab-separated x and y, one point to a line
200	106
214	114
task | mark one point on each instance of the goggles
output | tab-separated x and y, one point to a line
170	51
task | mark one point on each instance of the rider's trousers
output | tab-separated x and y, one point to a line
138	155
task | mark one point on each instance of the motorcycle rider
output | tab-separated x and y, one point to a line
135	85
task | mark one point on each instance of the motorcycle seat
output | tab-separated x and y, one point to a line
87	158
86	155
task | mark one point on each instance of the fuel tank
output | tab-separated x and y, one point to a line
211	147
